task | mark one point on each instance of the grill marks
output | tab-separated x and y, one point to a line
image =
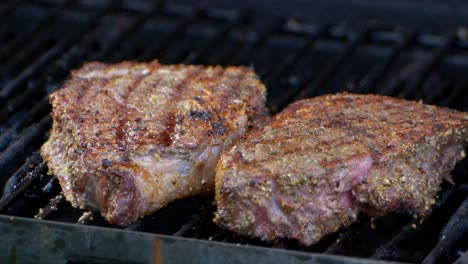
136	136
149	118
105	103
214	118
166	87
201	111
123	136
313	165
301	138
181	88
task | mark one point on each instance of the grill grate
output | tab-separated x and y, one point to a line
294	59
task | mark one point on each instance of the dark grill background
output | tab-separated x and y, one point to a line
41	41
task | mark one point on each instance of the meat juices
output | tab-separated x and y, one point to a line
322	161
129	138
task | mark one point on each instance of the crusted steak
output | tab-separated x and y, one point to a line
322	161
129	138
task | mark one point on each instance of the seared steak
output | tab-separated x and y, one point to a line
323	160
129	138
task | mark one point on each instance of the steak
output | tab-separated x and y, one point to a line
129	138
322	161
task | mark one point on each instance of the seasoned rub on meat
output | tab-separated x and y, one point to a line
323	160
129	138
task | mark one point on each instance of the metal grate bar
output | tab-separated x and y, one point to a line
31	163
19	101
51	186
387	250
247	50
51	207
24	141
47	57
227	57
392	87
367	84
456	227
315	86
164	44
195	56
36	30
463	259
285	67
6	137
148	54
20	43
128	32
454	93
186	227
31	93
414	85
39	32
169	219
44	42
5	12
125	51
436	94
24	97
346	239
38	111
23	181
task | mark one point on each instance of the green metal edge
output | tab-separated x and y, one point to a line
25	240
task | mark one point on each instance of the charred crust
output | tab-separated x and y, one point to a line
218	128
106	163
198	99
125	157
179	120
252	182
203	115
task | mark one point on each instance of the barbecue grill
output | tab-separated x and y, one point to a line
359	46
